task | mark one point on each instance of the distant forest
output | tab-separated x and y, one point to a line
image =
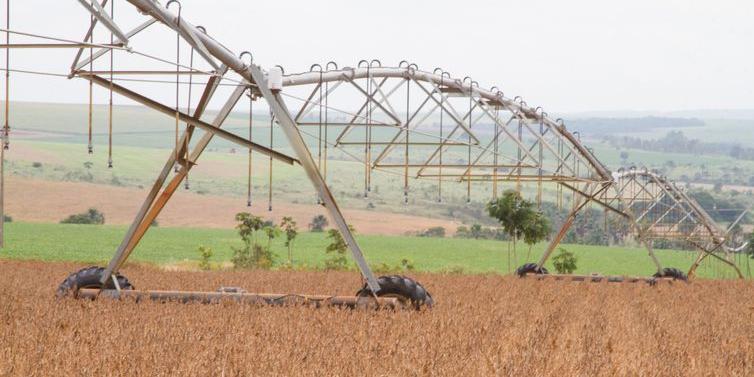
677	142
600	126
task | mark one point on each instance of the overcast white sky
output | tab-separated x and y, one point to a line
563	55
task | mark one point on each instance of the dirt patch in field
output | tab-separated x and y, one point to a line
480	326
48	201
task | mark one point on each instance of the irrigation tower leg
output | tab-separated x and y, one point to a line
151	208
649	244
704	253
307	161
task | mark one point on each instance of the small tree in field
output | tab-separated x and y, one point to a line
318	224
291	231
564	262
205	253
337	248
251	254
536	230
515	214
271	231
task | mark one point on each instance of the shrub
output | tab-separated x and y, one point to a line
204	253
7	219
435	231
337	250
288	225
564	262
36	165
251	254
318	224
91	216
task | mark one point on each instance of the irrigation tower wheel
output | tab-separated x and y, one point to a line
671	272
89	277
408	291
531	268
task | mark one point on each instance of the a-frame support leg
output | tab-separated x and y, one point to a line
704	254
153	205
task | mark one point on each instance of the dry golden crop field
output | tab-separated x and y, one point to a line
481	325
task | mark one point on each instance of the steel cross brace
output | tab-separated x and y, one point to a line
150	209
99	13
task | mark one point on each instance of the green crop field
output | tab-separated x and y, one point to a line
178	247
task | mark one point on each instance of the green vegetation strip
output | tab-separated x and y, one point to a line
95	244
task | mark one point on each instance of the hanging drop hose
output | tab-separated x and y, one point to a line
327	96
319	124
366	129
251	138
495	143
269	198
541	156
372	93
442	101
408	119
6	126
188	111
471	120
251	134
110	103
90	147
177	80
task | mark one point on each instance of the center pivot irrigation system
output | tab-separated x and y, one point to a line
407	122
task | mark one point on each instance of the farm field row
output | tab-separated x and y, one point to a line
176	248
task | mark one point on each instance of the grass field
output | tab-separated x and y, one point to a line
177	247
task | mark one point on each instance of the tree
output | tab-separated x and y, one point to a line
514	213
476	231
565	261
204	253
624	157
536	230
318	224
337	248
91	216
251	254
291	231
435	231
271	231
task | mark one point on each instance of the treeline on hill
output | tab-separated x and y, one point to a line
606	126
677	142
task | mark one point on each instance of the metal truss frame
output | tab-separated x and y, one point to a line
502	139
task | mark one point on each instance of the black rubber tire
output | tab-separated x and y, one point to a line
407	290
531	268
89	277
671	272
